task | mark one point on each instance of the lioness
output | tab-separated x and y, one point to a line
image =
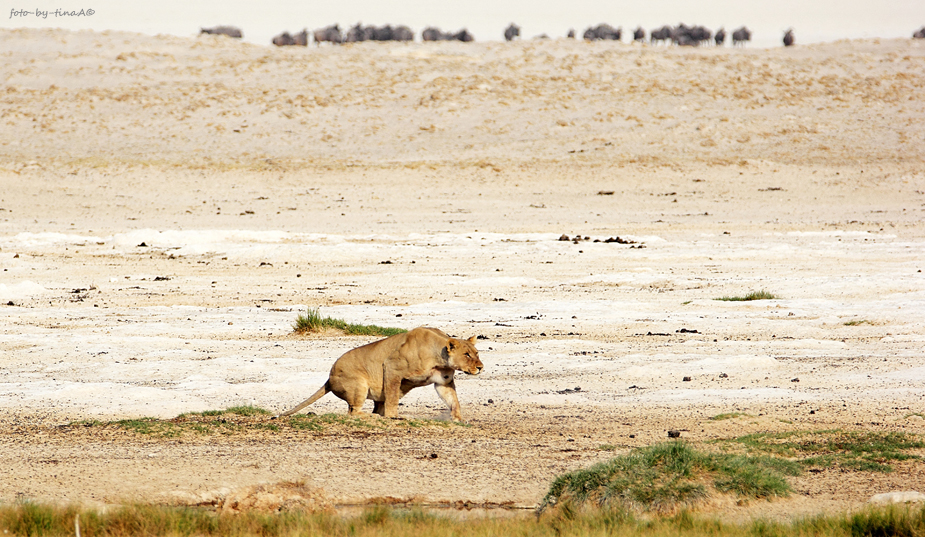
386	370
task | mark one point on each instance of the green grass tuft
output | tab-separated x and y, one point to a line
313	321
857	322
667	477
754	295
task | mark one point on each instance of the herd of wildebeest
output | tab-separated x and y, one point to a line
681	35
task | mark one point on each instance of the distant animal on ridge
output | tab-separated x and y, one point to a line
603	31
285	39
511	32
378	33
720	37
230	31
741	36
639	34
690	36
435	34
788	38
919	34
331	34
660	35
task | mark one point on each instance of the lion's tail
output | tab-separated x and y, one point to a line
317	395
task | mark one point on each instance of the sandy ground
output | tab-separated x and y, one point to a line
168	206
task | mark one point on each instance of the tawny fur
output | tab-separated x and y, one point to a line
386	370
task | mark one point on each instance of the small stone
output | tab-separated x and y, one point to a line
674	433
686	379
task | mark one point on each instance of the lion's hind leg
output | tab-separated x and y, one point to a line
354	393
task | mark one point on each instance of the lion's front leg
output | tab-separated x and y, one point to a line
447	392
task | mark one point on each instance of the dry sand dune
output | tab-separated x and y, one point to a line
169	205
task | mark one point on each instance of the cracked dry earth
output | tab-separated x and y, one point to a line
168	207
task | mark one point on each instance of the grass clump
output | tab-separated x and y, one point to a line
668	477
754	295
242	420
856	450
313	321
857	322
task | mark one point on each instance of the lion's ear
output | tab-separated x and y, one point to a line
472	340
451	344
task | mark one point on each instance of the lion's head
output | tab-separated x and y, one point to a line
462	355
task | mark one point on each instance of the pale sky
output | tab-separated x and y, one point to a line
812	20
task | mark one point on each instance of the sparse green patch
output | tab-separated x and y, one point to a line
313	321
250	419
730	415
607	447
857	322
668	477
856	450
242	410
151	426
754	295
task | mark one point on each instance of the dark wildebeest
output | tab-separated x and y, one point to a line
230	31
639	34
690	36
355	34
511	32
919	34
285	39
788	38
741	36
331	34
402	33
464	36
603	31
701	34
434	34
571	33
382	33
360	33
720	37
660	34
